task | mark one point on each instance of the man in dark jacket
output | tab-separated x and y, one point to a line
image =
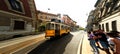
103	41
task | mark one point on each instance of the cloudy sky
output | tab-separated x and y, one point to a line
78	10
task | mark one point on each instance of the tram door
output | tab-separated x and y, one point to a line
57	29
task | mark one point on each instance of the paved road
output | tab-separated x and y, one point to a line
68	44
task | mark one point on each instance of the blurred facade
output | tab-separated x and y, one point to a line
68	21
43	18
20	17
90	19
17	17
107	15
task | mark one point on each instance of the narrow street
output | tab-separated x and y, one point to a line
37	44
68	44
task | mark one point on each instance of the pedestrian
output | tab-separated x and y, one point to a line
97	40
92	43
103	41
115	40
111	44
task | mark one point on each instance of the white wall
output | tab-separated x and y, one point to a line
109	21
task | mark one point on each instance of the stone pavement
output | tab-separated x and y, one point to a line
86	48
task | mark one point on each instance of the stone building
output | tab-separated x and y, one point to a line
44	17
17	17
108	14
90	19
68	21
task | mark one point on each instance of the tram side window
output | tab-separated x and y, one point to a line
57	26
50	26
62	27
65	27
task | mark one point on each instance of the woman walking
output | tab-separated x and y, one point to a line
92	42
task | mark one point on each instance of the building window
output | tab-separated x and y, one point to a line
15	5
103	26
19	25
117	5
99	26
114	26
107	27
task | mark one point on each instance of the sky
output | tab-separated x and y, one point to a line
78	10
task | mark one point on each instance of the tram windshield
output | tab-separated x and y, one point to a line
50	26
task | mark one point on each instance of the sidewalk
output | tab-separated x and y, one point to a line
13	45
86	48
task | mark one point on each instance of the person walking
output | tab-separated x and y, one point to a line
103	41
97	40
92	42
115	40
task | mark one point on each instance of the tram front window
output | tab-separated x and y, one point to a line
49	26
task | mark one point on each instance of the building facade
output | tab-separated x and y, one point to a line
17	17
43	18
68	21
108	14
90	19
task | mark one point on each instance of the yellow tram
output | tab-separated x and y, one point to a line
54	29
